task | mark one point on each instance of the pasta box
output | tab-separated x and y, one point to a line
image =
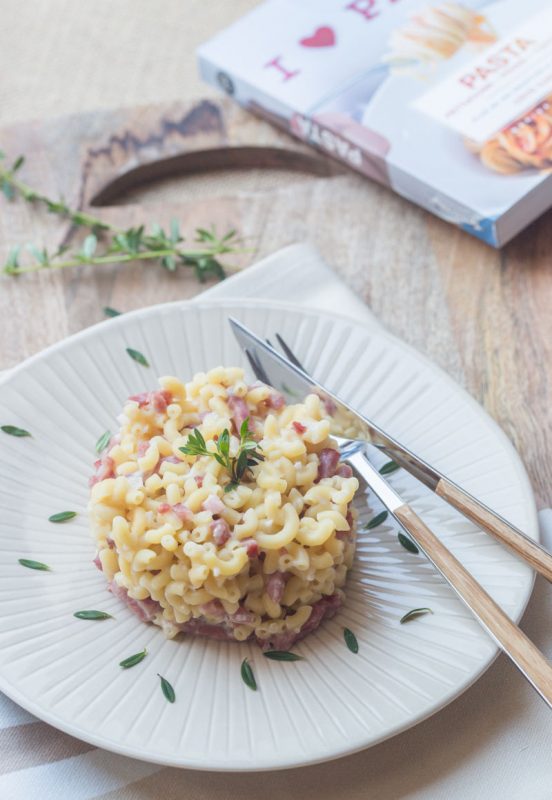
449	104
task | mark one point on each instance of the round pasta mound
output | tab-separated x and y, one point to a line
192	549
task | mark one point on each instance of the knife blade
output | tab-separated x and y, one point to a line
294	383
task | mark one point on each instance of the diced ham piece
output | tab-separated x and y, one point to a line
105	468
170	460
214	608
119	591
239	410
142	398
276	401
243	617
275	586
159	400
110	543
183	512
98	563
329	405
146	609
252	547
299	427
344	471
324	608
213	504
349	518
281	641
220	531
199	480
329	459
163	508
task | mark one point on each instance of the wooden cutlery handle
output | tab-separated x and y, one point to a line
508	635
535	555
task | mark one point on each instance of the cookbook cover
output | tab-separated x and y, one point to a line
448	103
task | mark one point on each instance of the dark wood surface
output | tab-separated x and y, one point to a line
481	314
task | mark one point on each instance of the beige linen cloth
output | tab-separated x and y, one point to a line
493	742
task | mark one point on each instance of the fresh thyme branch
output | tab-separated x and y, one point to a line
248	453
106	244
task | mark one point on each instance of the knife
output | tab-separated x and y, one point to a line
278	371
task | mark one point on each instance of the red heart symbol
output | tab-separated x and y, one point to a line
322	37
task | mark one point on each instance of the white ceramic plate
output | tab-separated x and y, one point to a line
66	671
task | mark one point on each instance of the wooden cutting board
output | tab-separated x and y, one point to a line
482	315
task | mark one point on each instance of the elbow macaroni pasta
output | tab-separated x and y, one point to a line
266	559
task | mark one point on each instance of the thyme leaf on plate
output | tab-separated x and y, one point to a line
12	430
62	516
27	562
167	689
407	543
388	468
131	661
376	521
247	675
350	640
92	615
282	655
416	612
103	441
137	356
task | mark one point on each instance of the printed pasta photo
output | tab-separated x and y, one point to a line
525	144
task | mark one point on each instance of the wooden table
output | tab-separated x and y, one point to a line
482	315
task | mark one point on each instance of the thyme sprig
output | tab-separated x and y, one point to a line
131	661
350	640
167	689
30	564
247	675
248	453
416	612
107	244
